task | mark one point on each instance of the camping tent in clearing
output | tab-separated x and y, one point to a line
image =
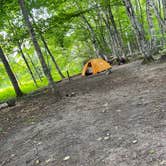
95	66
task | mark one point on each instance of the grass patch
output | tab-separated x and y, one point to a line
28	87
7	93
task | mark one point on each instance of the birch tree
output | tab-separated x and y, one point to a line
37	47
151	25
138	29
10	74
164	10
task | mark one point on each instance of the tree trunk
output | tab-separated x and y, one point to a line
52	57
27	64
116	32
151	25
13	27
37	47
115	37
113	42
164	10
99	25
157	13
138	30
91	31
128	45
34	66
48	50
93	35
139	8
10	74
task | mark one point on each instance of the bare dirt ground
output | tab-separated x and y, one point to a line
111	120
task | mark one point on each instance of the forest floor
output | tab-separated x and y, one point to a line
109	120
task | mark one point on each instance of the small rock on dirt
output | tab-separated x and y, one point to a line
106	138
73	94
13	155
105	105
37	162
66	158
163	162
99	139
135	141
39	143
47	161
104	111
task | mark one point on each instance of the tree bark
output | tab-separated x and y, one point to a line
151	25
99	25
10	74
128	45
52	57
34	66
27	64
113	42
47	49
160	26
21	51
139	8
118	38
37	47
157	13
138	30
93	35
164	10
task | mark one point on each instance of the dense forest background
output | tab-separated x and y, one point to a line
41	40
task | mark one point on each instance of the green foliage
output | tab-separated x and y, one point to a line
67	35
7	92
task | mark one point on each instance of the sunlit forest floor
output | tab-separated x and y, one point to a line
104	120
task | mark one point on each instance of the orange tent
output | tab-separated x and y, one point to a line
98	65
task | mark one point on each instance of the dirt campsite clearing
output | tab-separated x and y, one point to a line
103	120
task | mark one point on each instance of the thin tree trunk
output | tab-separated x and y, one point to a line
112	38
93	35
10	74
21	51
157	13
116	33
27	64
37	48
99	25
161	27
48	50
52	57
138	3
138	30
151	25
164	10
128	44
34	66
91	31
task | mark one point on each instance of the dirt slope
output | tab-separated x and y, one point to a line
114	120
